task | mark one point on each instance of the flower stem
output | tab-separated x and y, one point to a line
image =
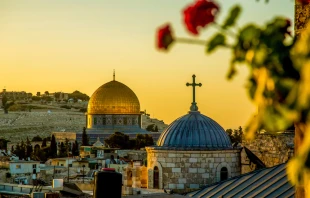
191	41
220	28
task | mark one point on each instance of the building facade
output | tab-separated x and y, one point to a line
193	151
113	107
16	95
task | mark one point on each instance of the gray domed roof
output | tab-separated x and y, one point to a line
194	131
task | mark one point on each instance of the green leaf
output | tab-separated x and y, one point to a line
232	17
217	40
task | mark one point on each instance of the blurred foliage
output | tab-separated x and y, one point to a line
278	81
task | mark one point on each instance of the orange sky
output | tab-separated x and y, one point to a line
67	45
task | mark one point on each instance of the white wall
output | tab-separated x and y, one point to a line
22	168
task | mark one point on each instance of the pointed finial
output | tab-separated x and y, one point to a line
113	74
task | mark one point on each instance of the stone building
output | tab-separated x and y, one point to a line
16	95
113	107
193	151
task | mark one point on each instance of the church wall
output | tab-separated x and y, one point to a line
188	170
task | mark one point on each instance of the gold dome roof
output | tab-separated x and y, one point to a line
113	98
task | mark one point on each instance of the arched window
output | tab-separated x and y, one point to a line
156	178
104	121
224	173
125	121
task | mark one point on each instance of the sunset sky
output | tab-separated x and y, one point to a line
67	45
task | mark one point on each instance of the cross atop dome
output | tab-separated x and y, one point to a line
113	74
194	106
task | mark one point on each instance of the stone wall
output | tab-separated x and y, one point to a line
135	155
270	149
302	15
187	170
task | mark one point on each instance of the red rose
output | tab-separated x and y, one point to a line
200	14
304	2
164	37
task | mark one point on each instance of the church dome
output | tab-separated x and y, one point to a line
194	131
113	98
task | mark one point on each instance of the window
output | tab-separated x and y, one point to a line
104	121
156	178
18	166
114	121
125	121
224	173
34	166
95	121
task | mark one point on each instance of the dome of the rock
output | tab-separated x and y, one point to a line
194	130
113	98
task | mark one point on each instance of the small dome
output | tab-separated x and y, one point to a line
113	98
194	130
98	143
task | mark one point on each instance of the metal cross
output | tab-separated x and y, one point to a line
194	85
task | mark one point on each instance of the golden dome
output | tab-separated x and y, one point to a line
113	98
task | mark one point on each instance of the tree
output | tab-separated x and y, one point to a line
29	148
3	143
85	138
78	95
62	151
143	140
53	147
17	150
36	138
47	93
57	95
5	104
235	135
44	143
4	100
36	98
22	150
75	149
152	128
67	146
118	140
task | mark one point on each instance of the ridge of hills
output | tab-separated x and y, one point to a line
47	118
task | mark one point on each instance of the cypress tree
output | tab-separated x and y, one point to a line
53	148
85	138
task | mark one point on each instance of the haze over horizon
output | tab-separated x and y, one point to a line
73	45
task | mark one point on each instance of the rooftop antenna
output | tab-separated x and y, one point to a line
113	74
